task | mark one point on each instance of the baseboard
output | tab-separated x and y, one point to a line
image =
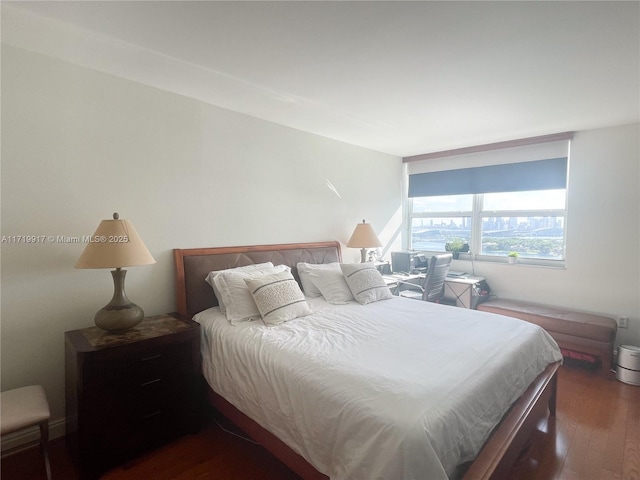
23	439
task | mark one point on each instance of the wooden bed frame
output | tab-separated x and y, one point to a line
499	452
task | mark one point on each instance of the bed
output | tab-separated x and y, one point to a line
329	418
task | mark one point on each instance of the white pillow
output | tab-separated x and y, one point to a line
332	285
304	272
236	296
278	297
212	275
365	282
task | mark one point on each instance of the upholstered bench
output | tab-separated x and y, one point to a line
25	407
573	331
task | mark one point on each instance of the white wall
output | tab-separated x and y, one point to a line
78	145
602	273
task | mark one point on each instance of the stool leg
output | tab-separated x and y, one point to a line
44	439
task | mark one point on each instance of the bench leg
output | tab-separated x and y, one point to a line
44	439
606	365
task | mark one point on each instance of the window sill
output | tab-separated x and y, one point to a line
523	261
504	260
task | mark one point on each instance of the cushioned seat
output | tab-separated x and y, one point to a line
26	407
575	331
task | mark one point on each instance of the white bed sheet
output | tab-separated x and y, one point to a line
394	389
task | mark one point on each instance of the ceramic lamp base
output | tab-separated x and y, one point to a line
119	319
120	314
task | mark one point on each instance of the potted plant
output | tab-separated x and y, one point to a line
456	246
513	257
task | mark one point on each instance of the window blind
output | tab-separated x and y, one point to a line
512	177
536	163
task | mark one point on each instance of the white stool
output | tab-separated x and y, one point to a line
25	407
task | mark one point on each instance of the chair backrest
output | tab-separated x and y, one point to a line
433	286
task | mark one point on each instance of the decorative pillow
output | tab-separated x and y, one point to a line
365	282
212	275
278	297
304	272
332	285
236	296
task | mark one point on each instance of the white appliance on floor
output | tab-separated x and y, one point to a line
628	370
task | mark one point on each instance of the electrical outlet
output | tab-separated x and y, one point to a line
622	321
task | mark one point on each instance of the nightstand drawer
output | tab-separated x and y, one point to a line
141	367
161	362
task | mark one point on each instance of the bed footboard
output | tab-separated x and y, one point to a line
498	455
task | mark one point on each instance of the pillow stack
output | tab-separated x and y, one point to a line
234	289
248	268
268	292
342	283
326	280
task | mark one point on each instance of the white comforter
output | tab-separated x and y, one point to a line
394	389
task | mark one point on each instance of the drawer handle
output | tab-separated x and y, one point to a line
150	382
150	357
151	415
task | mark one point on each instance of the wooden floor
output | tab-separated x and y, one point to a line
595	435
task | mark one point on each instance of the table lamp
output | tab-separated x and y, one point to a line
364	237
116	244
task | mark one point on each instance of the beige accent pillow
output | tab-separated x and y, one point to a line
278	297
365	282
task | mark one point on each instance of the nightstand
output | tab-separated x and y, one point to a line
129	392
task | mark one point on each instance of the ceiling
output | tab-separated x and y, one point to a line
404	78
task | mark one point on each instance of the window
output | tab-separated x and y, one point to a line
436	221
503	201
530	223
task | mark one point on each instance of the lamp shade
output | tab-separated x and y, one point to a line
115	244
364	237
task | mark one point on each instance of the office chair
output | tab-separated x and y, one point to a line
432	288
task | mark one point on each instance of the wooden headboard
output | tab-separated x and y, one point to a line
194	294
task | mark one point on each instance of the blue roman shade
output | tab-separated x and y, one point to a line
512	177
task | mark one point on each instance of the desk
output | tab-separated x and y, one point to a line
467	290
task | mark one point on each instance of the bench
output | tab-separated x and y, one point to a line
579	332
26	407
